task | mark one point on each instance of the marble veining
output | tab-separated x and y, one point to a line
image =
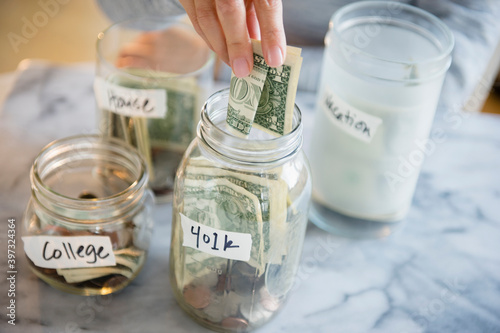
439	273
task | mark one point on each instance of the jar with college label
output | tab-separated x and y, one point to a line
88	225
239	219
383	68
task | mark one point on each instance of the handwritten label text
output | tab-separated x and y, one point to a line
220	243
131	102
355	122
69	251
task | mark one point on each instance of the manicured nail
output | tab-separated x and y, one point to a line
240	67
274	57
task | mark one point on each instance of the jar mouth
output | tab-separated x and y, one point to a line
263	149
145	24
66	168
372	15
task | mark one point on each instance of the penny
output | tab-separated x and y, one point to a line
115	281
234	323
197	296
48	271
53	230
81	232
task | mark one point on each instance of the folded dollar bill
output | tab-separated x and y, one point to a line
128	261
266	97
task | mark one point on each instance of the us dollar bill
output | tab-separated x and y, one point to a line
128	261
244	95
277	100
271	193
265	98
158	139
220	204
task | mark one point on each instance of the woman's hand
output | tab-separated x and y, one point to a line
227	26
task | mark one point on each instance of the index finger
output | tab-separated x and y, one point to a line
232	17
270	16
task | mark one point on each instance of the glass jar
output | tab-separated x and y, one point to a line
383	69
239	219
152	77
88	225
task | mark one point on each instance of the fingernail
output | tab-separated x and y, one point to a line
240	67
274	57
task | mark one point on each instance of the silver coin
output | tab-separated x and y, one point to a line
214	311
255	313
245	279
222	306
268	302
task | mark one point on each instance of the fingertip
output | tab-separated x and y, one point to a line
274	56
241	67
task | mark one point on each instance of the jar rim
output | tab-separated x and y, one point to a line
118	146
337	27
242	150
155	23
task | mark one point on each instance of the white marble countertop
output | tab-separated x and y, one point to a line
440	273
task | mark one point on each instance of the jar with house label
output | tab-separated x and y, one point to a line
152	77
239	219
88	225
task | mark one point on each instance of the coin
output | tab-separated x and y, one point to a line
234	323
245	269
54	230
245	279
115	281
255	313
48	271
267	301
214	311
80	232
197	296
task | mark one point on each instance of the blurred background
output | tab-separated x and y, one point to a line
67	34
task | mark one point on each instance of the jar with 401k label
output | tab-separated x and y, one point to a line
239	218
88	225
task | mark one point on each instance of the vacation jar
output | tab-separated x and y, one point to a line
239	218
88	225
383	68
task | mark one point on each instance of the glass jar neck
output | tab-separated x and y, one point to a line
257	150
389	41
88	180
